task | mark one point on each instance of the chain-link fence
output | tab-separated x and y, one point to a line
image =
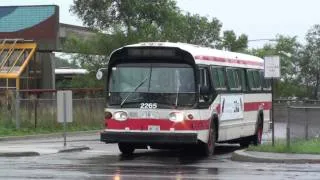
37	110
303	123
281	107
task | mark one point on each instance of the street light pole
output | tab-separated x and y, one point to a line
257	42
265	39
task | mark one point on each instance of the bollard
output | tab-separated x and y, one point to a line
288	137
288	129
35	112
17	107
306	123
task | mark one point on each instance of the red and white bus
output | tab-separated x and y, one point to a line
162	94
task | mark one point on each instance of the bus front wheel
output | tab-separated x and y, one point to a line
209	147
126	149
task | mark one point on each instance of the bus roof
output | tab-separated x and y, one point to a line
210	56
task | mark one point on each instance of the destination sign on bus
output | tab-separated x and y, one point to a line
145	52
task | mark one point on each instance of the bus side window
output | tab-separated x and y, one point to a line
233	79
257	79
205	84
218	78
204	78
266	83
243	79
254	80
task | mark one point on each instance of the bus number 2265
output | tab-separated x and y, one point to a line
148	106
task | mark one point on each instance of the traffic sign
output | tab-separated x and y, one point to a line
64	106
272	67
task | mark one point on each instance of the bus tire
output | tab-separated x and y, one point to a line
208	148
126	149
244	143
257	137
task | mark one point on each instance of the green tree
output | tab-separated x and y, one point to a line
126	15
199	30
231	42
155	20
122	22
289	50
145	20
310	61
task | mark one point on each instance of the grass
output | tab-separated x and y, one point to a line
29	131
311	146
83	119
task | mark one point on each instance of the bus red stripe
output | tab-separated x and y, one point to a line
254	106
251	106
165	124
232	61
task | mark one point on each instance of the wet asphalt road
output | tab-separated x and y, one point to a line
105	162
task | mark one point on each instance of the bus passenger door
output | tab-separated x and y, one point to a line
205	97
206	89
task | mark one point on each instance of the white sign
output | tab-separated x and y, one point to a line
232	106
272	67
99	74
64	106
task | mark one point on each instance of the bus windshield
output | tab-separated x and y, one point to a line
167	85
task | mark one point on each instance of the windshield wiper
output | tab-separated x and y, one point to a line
135	89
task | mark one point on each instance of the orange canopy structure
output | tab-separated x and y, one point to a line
15	55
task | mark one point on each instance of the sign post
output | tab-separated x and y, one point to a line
272	70
64	108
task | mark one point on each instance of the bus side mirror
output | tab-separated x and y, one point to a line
204	90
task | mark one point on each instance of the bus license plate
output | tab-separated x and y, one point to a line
154	128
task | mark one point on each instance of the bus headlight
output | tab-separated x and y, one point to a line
176	116
120	116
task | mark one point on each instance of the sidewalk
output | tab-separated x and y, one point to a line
35	145
31	150
262	157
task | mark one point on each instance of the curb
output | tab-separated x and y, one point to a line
44	136
263	157
35	153
19	154
74	149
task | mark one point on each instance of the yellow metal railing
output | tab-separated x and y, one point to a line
15	55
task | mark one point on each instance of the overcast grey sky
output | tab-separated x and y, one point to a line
259	19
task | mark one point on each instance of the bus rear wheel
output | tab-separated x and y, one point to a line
257	138
244	143
126	148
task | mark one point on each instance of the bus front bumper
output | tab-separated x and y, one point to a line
111	136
